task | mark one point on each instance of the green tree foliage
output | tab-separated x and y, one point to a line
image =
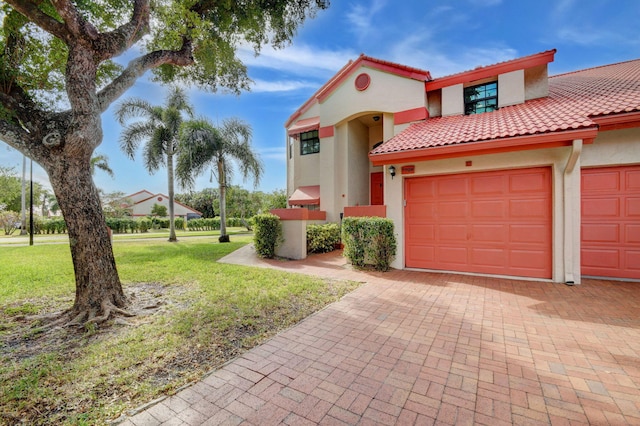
11	190
159	210
204	147
116	205
101	162
159	128
205	201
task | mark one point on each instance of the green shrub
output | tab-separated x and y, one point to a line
144	225
369	240
267	234
322	238
179	222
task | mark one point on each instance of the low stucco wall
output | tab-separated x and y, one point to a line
294	231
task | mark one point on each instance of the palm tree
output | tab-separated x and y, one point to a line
204	146
101	162
159	127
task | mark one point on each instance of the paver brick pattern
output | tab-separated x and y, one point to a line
418	348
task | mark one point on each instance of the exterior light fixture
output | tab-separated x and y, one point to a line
392	171
376	118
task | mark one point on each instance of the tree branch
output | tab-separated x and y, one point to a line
41	19
139	66
77	26
117	41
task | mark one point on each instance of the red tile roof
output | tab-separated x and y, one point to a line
575	100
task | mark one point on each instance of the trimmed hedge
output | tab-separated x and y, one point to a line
322	238
267	234
369	240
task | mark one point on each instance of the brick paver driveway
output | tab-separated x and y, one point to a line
423	348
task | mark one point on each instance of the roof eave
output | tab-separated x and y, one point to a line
493	146
492	70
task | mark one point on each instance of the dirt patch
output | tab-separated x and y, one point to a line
23	334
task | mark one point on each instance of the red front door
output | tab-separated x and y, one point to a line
377	189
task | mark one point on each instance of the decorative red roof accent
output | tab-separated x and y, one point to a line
491	70
577	101
363	60
304	125
305	195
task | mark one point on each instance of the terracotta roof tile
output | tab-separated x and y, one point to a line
574	98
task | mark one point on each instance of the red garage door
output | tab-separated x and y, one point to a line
490	222
611	222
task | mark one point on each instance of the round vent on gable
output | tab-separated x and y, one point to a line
159	198
363	81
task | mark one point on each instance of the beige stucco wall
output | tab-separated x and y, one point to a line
358	164
511	88
613	148
386	93
453	100
536	82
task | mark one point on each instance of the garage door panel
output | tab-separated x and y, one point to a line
426	253
632	234
452	187
528	183
529	234
426	231
529	259
632	260
487	185
611	222
485	209
448	233
633	207
420	210
480	220
529	208
452	255
488	257
601	233
632	180
606	181
601	207
488	233
452	209
602	258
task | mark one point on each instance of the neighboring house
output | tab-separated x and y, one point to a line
144	200
499	170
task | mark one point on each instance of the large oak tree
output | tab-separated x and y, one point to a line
57	76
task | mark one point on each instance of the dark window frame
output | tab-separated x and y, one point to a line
309	142
481	98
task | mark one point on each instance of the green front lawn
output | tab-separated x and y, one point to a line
193	315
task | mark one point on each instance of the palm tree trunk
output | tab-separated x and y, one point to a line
172	223
224	238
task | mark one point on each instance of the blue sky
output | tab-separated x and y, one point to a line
444	37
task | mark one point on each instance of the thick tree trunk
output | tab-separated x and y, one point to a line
172	220
98	289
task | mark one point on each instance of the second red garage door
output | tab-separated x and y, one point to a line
611	222
491	222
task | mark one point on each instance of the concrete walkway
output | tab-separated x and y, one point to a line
426	348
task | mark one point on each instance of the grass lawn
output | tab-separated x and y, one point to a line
193	315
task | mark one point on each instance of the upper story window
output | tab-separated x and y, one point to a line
309	142
481	98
